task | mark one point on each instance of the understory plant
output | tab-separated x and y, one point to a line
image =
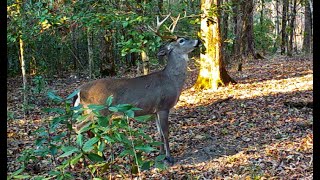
119	147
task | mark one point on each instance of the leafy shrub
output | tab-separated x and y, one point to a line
117	147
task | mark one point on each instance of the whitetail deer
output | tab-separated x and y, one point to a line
155	93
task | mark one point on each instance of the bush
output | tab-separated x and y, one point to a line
117	147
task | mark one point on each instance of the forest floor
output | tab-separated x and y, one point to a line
250	130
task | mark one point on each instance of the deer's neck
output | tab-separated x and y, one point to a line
176	68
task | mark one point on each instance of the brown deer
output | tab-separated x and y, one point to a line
155	93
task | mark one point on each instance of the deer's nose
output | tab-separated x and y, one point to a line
197	43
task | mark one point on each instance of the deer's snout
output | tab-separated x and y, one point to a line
197	43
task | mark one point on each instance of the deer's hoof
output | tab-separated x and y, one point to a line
169	160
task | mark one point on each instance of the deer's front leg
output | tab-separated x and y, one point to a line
163	122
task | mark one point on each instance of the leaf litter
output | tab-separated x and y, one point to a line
241	131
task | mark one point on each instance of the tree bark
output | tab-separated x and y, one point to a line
292	21
90	51
224	30
212	72
145	62
107	64
22	63
307	28
250	33
284	35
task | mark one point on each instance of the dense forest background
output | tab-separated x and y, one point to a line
101	38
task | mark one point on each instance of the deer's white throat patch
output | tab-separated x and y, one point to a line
77	102
185	57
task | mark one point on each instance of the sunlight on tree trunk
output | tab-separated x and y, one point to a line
145	62
22	64
212	73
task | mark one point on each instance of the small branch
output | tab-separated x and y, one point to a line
299	104
222	100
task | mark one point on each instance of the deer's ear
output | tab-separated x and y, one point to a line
162	52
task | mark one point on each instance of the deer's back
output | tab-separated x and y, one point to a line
151	93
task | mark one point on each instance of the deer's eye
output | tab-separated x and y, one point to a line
181	41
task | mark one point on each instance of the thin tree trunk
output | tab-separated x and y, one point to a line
107	63
307	28
145	62
250	34
292	20
284	35
90	51
225	17
23	70
261	13
74	48
22	64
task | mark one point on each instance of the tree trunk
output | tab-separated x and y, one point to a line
145	62
250	34
237	31
224	30
292	20
212	73
22	64
277	18
284	35
74	48
107	64
261	13
23	71
307	28
90	51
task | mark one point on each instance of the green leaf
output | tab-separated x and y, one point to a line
146	165
102	146
103	121
85	128
95	157
88	146
126	152
124	107
79	140
68	150
39	142
160	157
82	117
143	118
54	110
54	97
130	113
145	148
22	176
75	159
109	100
125	24
108	139
113	109
160	165
53	150
18	171
73	94
59	136
156	143
96	107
